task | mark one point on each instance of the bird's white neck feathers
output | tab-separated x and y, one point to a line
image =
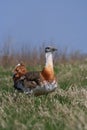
49	59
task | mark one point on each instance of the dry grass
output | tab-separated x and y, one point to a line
33	56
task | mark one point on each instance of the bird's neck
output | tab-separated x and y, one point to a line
49	60
48	72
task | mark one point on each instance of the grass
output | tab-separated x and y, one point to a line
64	109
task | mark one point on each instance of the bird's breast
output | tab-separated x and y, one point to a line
48	73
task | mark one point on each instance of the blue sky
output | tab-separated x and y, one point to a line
34	22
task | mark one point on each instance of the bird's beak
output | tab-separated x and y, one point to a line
54	49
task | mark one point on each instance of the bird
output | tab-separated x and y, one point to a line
36	82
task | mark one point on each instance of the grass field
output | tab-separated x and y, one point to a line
64	109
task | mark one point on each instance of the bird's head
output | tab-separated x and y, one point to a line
50	49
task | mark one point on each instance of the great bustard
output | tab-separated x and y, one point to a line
36	82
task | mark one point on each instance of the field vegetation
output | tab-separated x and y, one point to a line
64	109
